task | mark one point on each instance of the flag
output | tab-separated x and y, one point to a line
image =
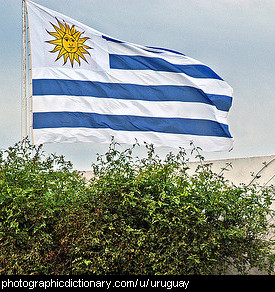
88	87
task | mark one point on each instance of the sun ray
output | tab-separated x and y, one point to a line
71	56
68	43
55	42
59	31
68	31
82	50
82	40
76	57
54	34
61	25
86	47
77	35
57	48
73	30
61	53
66	56
81	55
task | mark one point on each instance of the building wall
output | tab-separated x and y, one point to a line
259	170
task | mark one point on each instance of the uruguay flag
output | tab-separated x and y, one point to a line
88	86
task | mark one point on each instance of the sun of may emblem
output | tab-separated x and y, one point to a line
69	43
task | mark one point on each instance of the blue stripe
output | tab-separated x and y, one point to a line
111	39
129	123
125	62
222	102
167	50
128	91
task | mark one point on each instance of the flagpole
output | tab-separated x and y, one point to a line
31	90
24	108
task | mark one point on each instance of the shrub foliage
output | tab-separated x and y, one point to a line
135	216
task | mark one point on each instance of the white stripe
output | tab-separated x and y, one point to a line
141	77
136	50
71	135
111	106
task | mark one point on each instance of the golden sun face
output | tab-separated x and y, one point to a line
69	43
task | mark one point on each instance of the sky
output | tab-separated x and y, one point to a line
236	38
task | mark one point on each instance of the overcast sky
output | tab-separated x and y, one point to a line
236	38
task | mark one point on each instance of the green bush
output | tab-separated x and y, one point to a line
135	216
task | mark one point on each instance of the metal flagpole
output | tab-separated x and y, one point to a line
24	108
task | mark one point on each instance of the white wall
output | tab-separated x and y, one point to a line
259	170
